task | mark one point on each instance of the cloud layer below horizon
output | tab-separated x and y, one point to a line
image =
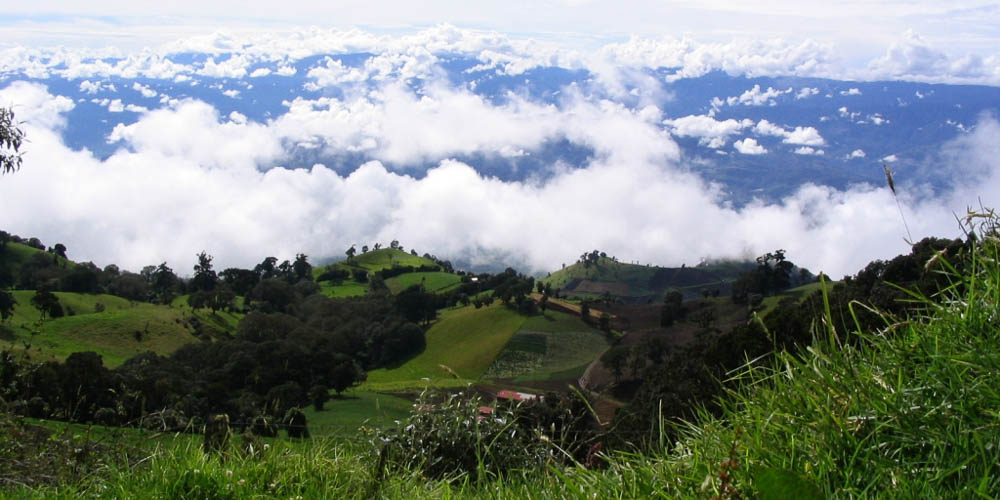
186	179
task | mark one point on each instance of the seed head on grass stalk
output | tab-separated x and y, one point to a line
892	187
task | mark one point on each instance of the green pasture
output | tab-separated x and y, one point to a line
466	340
355	409
550	346
432	281
122	330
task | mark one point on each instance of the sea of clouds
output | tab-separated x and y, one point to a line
187	178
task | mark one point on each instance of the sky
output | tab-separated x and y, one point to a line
189	178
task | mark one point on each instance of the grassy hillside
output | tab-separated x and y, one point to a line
433	281
347	288
467	340
17	254
550	346
122	330
799	292
640	281
376	260
907	412
344	415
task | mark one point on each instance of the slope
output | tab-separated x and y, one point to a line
466	340
114	327
639	283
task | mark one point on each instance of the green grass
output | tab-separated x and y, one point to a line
346	289
376	260
121	331
466	340
432	281
553	346
357	408
908	413
799	292
633	280
16	254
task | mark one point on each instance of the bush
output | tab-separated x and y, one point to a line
449	435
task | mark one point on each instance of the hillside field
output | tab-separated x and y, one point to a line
554	346
466	340
121	331
436	282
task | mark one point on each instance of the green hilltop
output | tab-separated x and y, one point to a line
592	278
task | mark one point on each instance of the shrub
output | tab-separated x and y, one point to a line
449	435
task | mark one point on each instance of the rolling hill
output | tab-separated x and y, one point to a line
636	283
114	327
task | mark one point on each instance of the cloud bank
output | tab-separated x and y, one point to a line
186	178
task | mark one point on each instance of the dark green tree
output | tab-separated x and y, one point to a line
47	303
165	283
205	277
301	268
7	303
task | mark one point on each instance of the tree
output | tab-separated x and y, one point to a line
11	138
605	322
350	253
205	277
319	394
7	303
345	374
301	268
47	303
616	359
364	248
60	250
671	309
164	282
585	311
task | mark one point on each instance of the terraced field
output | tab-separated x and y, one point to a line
549	347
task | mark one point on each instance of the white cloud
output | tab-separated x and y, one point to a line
756	97
233	67
851	91
806	92
765	127
259	72
709	131
808	136
912	58
116	106
857	153
193	180
89	87
231	93
806	150
144	90
878	119
890	159
749	146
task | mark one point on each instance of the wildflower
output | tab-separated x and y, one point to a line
229	473
241	482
